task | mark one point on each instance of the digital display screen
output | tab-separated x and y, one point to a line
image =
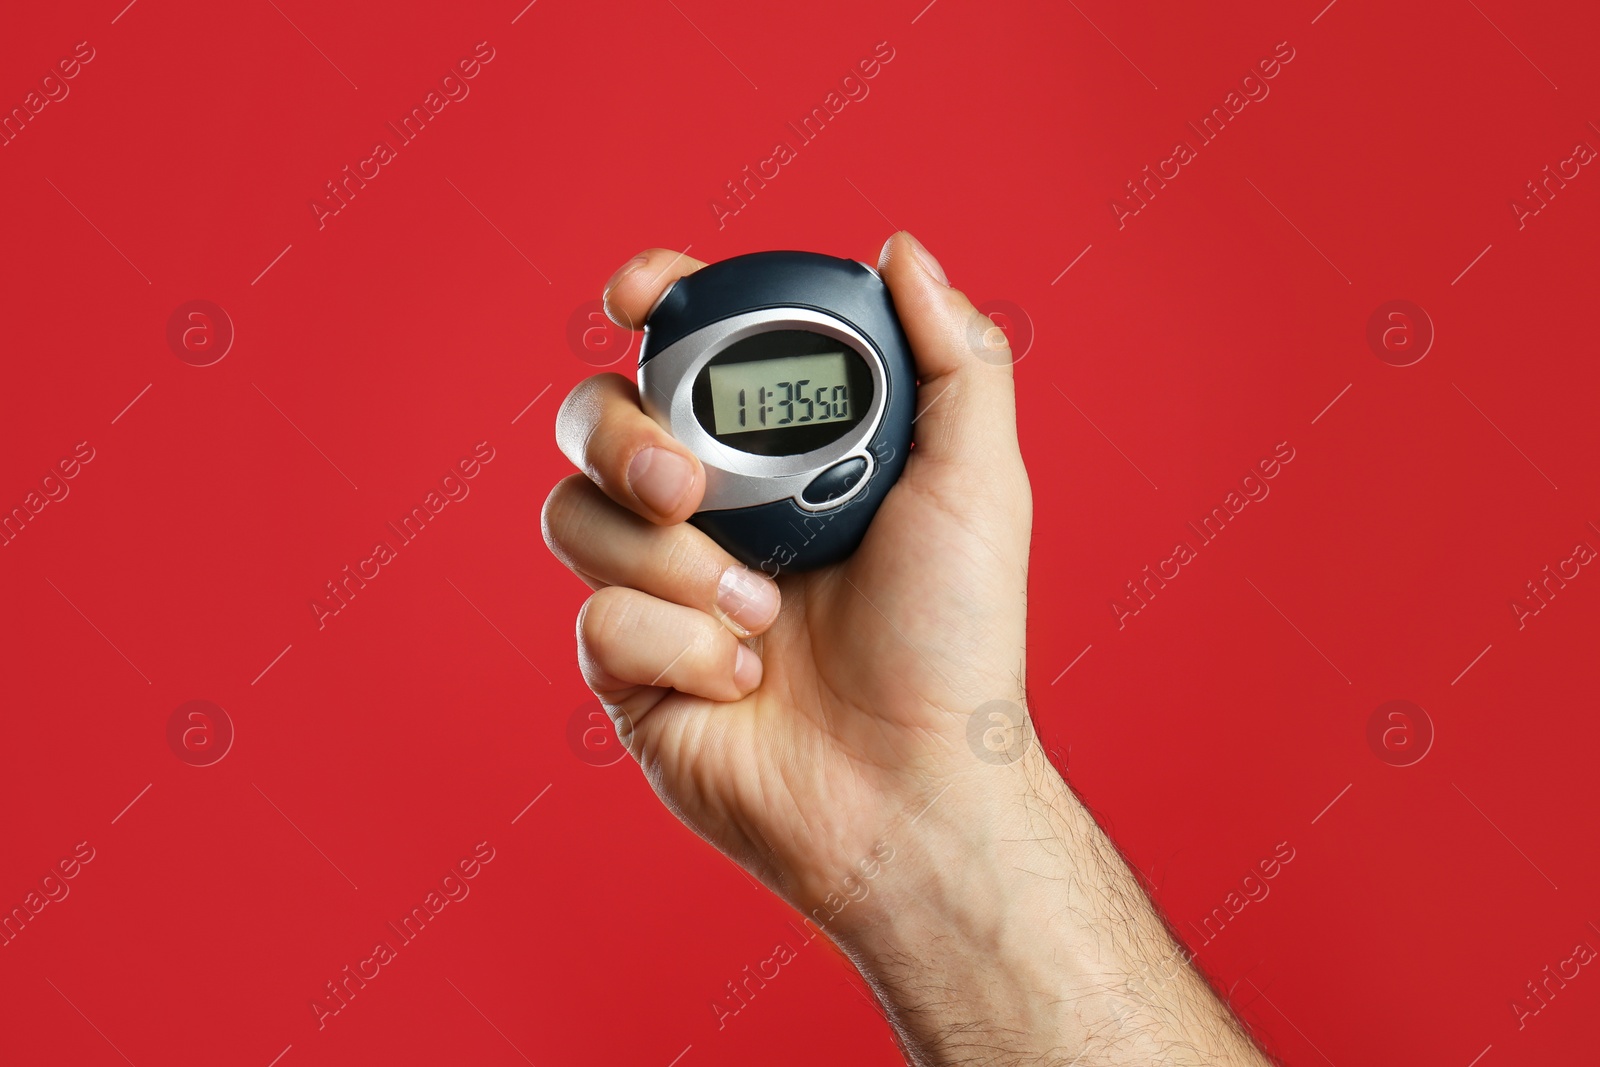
765	394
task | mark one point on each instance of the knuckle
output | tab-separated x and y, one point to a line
584	411
574	418
615	439
985	336
714	648
604	619
561	520
695	644
683	565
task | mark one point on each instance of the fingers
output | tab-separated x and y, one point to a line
602	430
947	332
650	625
628	639
966	404
605	544
639	283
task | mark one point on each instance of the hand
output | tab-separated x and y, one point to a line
845	711
806	725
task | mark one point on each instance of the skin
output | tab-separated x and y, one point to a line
832	757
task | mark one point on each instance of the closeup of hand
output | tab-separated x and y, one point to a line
874	710
794	724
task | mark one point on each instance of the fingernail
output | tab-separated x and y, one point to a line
633	264
746	670
660	477
925	258
748	600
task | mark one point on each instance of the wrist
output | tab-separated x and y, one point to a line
968	855
977	898
1006	930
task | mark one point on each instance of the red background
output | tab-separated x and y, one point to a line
374	353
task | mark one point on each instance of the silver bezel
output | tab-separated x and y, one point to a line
737	479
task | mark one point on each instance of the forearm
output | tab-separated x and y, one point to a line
1009	932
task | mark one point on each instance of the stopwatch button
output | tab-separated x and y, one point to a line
836	481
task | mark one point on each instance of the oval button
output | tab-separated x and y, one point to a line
836	481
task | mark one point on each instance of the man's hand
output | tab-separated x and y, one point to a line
803	731
795	749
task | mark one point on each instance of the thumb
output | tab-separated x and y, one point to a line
966	405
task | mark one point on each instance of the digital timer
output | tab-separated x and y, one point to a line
789	376
779	392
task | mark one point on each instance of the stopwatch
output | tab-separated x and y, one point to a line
788	374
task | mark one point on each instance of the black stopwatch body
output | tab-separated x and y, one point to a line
789	376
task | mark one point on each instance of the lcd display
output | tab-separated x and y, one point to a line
767	394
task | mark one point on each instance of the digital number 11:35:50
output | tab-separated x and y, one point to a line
827	404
